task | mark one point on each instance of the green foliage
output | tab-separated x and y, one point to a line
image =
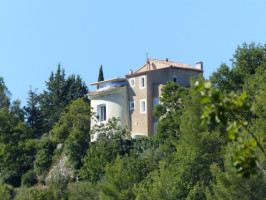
17	110
222	78
75	117
58	185
184	170
5	191
33	113
246	60
82	190
28	179
105	149
4	95
16	160
12	129
101	77
245	159
169	110
119	180
111	130
218	109
60	93
40	194
45	152
228	185
98	155
73	129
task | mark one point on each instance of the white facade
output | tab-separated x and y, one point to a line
115	101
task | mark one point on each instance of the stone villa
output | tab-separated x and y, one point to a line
133	98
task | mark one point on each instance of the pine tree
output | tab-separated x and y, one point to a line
33	113
59	94
4	94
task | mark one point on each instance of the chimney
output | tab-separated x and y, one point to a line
166	59
130	71
199	65
147	61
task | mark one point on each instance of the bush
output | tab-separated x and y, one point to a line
100	153
46	147
39	194
29	178
82	190
58	185
5	191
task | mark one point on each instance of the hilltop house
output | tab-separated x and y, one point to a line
133	98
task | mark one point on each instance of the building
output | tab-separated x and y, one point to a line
133	98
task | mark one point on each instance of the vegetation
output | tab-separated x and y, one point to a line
101	77
210	141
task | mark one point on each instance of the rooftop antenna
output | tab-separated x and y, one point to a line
147	55
147	59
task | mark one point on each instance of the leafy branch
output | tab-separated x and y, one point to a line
220	109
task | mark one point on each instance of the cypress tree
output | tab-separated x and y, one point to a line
100	77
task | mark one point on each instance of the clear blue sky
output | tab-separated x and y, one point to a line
83	34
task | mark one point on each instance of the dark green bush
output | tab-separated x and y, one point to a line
46	147
29	178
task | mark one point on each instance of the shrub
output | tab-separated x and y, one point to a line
5	191
58	185
29	178
46	147
82	190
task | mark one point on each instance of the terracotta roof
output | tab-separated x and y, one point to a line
154	64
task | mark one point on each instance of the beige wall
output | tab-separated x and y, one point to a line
155	79
138	121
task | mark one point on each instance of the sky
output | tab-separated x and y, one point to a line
83	34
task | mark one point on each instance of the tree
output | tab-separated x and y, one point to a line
169	110
4	95
228	110
228	185
45	151
73	129
120	178
33	113
101	77
60	93
246	60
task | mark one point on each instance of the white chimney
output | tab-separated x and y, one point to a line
130	71
199	65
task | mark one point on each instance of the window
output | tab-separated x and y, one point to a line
101	112
132	82
132	105
156	101
142	82
174	79
143	106
154	128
